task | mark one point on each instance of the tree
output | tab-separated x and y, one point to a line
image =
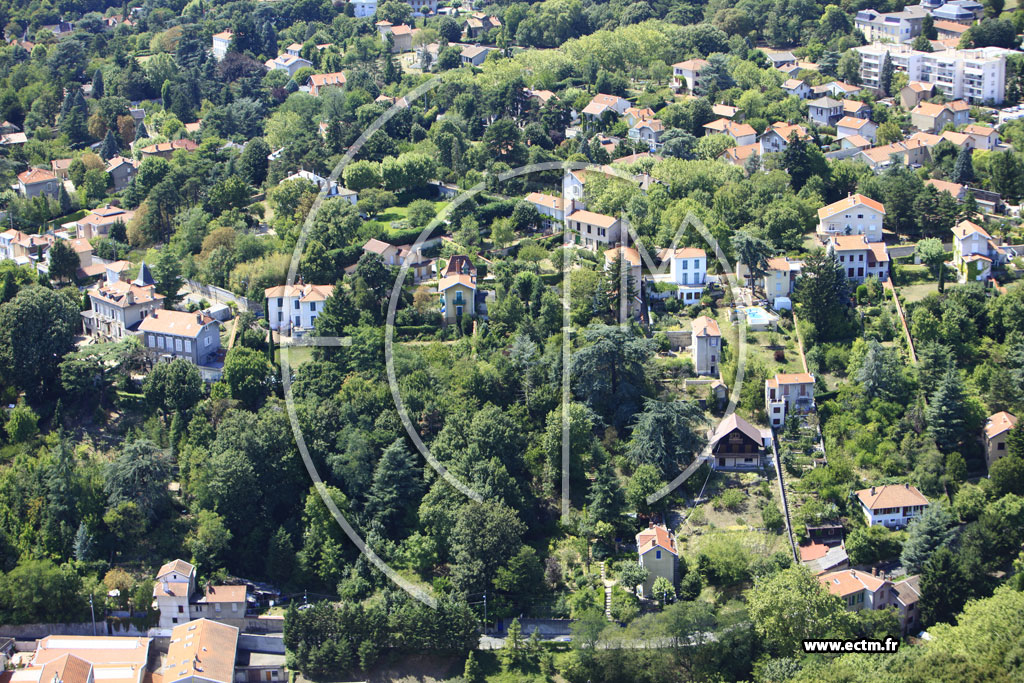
253	163
95	183
881	373
663	591
931	253
208	539
868	545
38	591
63	262
396	489
823	292
97	84
885	75
173	387
849	67
963	169
678	143
926	534
667	434
37	327
644	482
609	372
246	373
631	575
361	175
22	424
928	29
110	147
791	606
942	587
167	273
471	673
945	412
889	132
138	475
753	252
921	43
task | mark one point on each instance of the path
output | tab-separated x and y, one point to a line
782	493
799	341
608	583
234	329
887	285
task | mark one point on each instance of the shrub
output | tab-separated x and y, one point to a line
730	499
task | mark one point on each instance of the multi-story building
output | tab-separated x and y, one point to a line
975	252
119	307
363	8
788	392
85	659
593	230
457	287
776	137
997	427
891	505
287	63
977	75
658	554
293	309
179	334
739	445
686	277
742	133
705	345
220	43
37	181
860	590
688	73
99	221
931	117
825	111
778	281
550	207
860	258
893	27
854	215
848	126
176	595
202	652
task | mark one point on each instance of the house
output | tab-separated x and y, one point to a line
295	50
287	63
13	139
23	248
572	190
37	182
292	309
856	109
891	505
363	8
401	37
849	125
797	88
983	137
97	223
739	445
600	104
329	187
179	334
946	29
835	89
657	553
84	251
911	152
860	258
457	287
167	149
634	115
824	557
59	167
550	207
997	428
686	276
593	230
975	252
854	142
738	156
824	111
788	392
474	55
317	82
860	590
630	262
688	73
479	23
957	12
648	131
86	659
220	42
854	215
776	137
705	345
177	596
916	92
119	307
742	133
121	171
894	27
778	281
956	190
932	118
421	267
203	651
780	58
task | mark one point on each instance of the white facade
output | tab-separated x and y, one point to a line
363	8
977	75
220	43
854	215
893	506
786	392
687	271
893	27
294	308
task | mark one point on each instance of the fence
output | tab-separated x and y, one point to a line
36	631
223	296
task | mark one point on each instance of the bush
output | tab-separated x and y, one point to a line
730	499
772	519
780	355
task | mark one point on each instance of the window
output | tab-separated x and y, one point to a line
174	620
312	306
1001	446
188	346
657	554
296	304
181	609
280	302
150	342
234	607
298	321
177	344
216	607
280	315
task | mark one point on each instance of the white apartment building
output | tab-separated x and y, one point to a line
893	27
363	8
219	44
854	215
294	308
977	75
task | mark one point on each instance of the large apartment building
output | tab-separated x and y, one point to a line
894	27
977	75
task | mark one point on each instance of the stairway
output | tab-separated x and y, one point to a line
607	593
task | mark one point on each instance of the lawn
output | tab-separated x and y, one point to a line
401	213
297	355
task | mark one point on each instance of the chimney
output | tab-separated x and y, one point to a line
872	490
906	486
154	312
650	524
199	317
874	571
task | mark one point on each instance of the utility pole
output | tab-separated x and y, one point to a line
485	610
93	611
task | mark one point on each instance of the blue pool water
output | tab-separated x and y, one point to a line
758	316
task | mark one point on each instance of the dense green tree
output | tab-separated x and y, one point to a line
942	587
926	534
946	412
791	606
138	475
173	387
823	293
963	170
667	434
609	371
247	374
38	591
37	328
63	262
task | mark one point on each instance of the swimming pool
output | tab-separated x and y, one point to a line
758	318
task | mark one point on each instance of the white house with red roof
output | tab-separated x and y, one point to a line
593	230
859	258
317	82
85	659
658	554
776	137
797	88
788	392
688	73
852	125
601	103
457	287
176	595
550	207
686	278
854	215
287	63
119	307
860	590
220	43
742	133
975	252
997	428
292	309
891	505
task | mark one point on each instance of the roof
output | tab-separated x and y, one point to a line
112	659
908	591
950	26
978	129
165	589
375	246
654	124
471	51
849	243
733	423
854	105
183	143
106	215
784	130
847	204
852	122
965	228
891	496
682	252
742	152
826	102
956	138
546	200
655	536
224	594
401	30
921	86
631	255
691	64
945	186
703	326
35	175
320	80
294	46
857	141
849	581
80	245
116	161
793	84
202	649
456	279
117	293
1000	423
177	323
60	164
724	110
68	668
223	35
598	219
792	378
304	292
732	128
